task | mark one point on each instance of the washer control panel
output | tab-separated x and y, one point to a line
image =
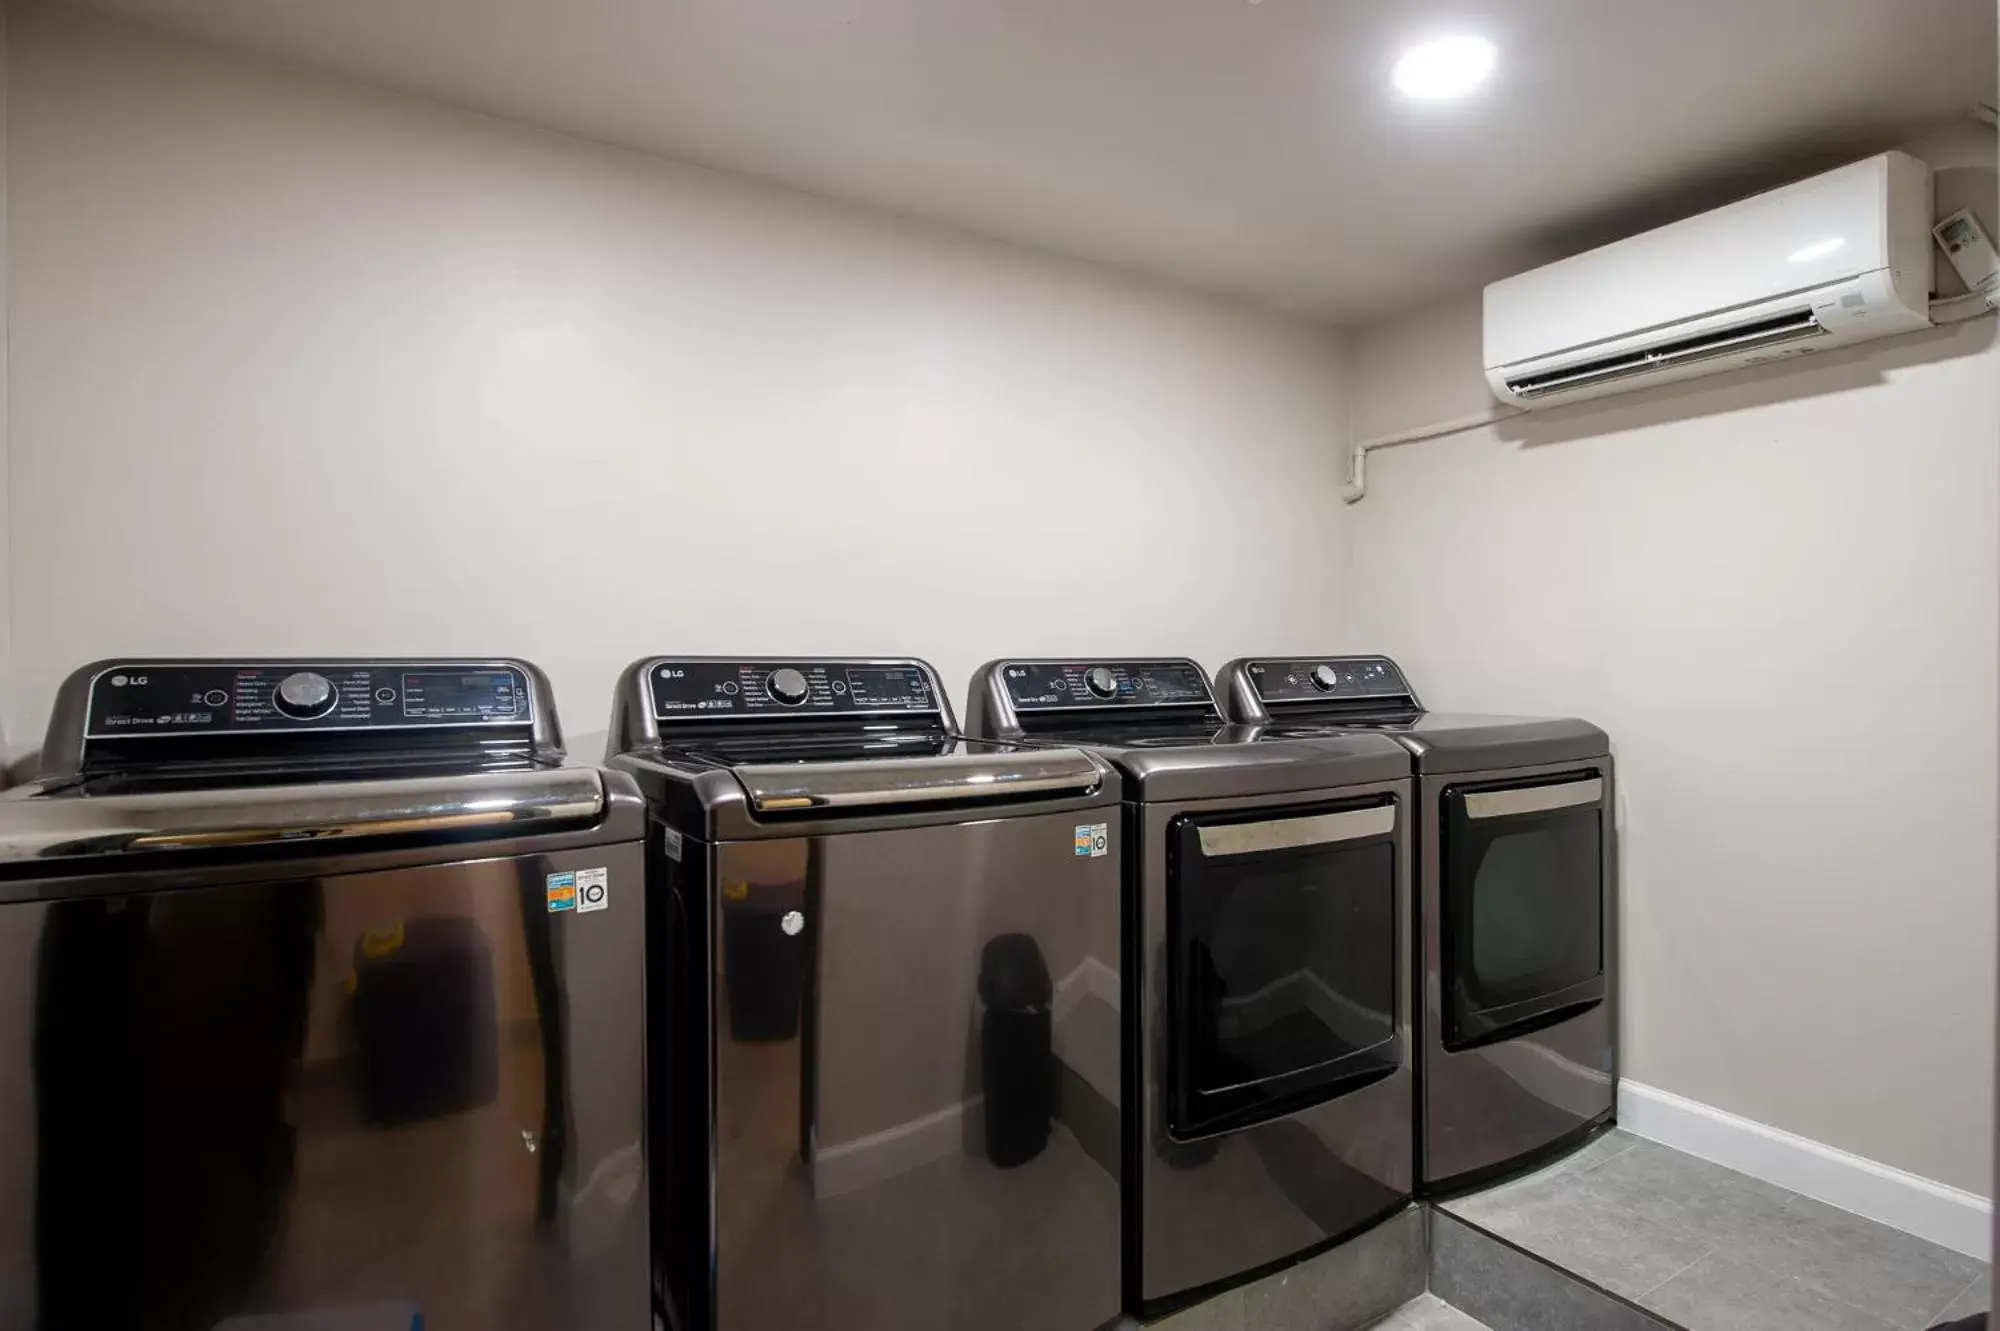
1328	679
1040	686
708	690
249	697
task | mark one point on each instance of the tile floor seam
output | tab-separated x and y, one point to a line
1938	1311
1641	1300
1708	1253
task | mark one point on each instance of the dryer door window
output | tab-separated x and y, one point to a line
1282	969
1522	906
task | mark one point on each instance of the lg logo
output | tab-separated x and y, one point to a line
120	681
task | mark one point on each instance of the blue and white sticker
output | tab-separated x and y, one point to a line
579	890
1093	840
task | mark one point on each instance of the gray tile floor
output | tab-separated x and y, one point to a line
1714	1250
1428	1312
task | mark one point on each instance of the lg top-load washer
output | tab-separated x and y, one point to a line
889	1008
1513	905
324	1006
1266	1000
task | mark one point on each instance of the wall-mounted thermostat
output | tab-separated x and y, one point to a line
1965	243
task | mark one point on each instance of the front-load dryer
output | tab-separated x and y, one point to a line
1266	1002
1514	835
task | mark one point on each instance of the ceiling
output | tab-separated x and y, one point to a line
1249	147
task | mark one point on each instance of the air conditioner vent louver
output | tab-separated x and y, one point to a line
1731	340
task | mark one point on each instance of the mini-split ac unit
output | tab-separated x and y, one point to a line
1837	259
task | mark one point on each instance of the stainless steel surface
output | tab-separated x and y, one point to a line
1533	799
1271	1191
635	725
409	1090
1489	1105
64	742
1242	764
1285	833
791	787
44	827
853	1107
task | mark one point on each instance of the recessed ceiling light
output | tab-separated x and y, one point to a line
1447	67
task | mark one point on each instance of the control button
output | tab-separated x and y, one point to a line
729	687
385	695
839	686
787	685
1325	678
305	695
1101	682
215	698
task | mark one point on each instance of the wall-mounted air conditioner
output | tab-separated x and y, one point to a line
1829	261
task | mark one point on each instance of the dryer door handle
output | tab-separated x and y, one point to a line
1533	799
1319	829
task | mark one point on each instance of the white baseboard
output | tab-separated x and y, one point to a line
1956	1219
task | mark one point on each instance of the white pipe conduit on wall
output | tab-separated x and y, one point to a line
1356	484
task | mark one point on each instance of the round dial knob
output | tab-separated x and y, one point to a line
787	685
1325	678
1101	682
305	695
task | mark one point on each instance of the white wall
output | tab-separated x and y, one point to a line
1778	591
301	366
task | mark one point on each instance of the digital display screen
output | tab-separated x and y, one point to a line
888	686
461	695
1171	684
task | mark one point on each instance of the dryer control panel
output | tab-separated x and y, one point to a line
1040	686
1328	679
705	689
135	698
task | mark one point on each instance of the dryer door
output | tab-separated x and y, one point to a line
1282	961
1522	905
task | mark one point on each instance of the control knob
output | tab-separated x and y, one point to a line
1325	678
1101	682
787	685
304	695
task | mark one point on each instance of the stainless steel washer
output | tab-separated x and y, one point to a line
1517	1034
1267	951
320	1008
887	1003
